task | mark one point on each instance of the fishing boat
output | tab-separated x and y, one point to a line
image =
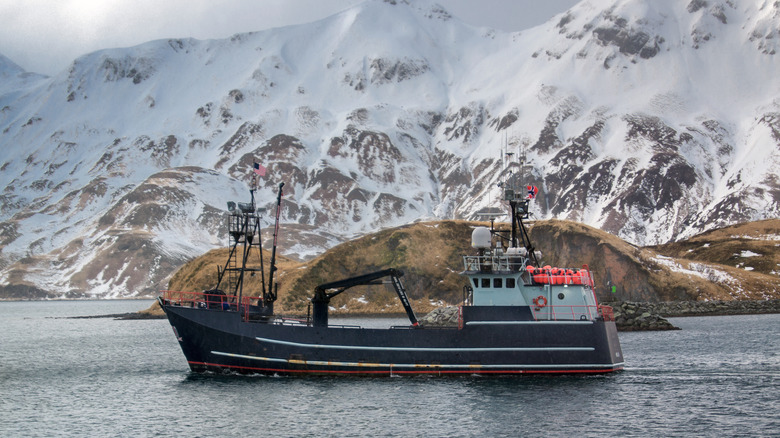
517	316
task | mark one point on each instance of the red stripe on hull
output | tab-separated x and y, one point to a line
239	368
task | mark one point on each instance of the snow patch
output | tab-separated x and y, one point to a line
700	270
759	237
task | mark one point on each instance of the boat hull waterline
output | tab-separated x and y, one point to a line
218	341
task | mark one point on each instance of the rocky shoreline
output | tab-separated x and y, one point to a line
639	316
635	317
704	308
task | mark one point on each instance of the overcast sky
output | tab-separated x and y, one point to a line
44	36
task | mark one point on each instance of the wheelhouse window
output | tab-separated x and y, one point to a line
498	283
510	283
476	282
486	282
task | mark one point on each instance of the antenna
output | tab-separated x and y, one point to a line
509	183
521	151
271	294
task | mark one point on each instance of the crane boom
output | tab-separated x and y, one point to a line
322	297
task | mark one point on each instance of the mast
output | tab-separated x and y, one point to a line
250	227
269	296
519	208
244	232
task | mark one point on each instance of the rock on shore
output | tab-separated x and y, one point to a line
632	317
702	308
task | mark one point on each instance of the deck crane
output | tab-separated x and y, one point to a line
322	297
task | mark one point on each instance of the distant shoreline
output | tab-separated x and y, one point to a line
675	309
76	299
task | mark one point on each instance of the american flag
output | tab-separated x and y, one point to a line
259	169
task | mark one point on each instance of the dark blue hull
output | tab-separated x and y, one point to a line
510	343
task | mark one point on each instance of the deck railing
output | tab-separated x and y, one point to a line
210	300
204	300
219	301
572	313
494	263
606	312
216	301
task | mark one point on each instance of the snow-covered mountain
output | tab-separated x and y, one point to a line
653	120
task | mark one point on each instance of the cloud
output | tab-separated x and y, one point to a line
45	36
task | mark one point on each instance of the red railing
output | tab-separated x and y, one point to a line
250	311
572	313
207	300
606	312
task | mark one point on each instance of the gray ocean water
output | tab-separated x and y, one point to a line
719	376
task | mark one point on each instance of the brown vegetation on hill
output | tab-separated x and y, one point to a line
430	255
201	273
427	253
655	274
753	246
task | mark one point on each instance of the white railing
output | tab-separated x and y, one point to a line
494	263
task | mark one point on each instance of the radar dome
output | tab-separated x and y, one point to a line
480	238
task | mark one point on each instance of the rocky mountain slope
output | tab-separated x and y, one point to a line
649	120
430	254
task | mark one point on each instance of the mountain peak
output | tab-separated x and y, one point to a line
14	77
9	68
650	120
428	9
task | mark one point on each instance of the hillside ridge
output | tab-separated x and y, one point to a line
430	255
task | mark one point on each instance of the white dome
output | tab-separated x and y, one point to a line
480	238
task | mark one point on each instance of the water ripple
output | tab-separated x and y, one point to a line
100	377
